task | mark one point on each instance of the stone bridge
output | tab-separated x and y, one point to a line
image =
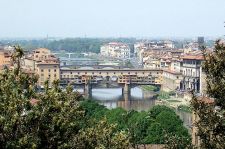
124	77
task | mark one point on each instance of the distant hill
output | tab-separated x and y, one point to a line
69	44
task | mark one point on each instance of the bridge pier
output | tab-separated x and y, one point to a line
87	90
126	91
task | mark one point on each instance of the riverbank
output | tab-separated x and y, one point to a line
171	99
149	88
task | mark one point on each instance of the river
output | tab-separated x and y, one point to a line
112	97
139	100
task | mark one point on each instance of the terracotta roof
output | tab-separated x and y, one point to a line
205	99
172	72
193	57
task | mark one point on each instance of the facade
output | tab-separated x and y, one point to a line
5	56
191	70
44	64
171	80
47	71
176	66
116	50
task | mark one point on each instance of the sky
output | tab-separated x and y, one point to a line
112	18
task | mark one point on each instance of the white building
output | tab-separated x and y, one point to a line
115	49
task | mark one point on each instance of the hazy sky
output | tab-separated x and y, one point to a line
111	18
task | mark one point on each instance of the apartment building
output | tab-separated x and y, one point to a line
5	55
191	71
116	50
43	63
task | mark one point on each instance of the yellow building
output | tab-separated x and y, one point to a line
47	70
41	54
5	57
44	64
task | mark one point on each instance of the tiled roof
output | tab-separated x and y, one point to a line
193	57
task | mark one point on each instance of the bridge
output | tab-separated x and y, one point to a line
93	66
126	78
69	54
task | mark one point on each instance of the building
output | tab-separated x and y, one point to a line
43	63
201	43
116	50
5	55
47	70
171	80
191	70
5	58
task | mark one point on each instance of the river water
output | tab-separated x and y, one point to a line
112	97
139	100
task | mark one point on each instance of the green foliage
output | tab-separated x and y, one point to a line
165	123
143	127
177	142
156	110
53	119
70	44
185	108
102	135
163	95
117	116
210	120
93	109
150	88
214	68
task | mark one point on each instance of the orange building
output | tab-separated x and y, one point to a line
5	57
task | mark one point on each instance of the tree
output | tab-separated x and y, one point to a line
165	124
53	119
117	116
102	135
93	110
138	123
210	117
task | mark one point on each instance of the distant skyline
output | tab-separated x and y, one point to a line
111	18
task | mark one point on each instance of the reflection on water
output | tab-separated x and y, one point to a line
139	100
112	97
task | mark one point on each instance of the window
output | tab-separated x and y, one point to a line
54	75
49	70
42	70
54	70
71	72
42	74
